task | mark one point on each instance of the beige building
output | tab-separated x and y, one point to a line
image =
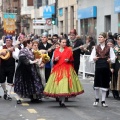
67	15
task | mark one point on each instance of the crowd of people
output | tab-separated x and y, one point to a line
44	66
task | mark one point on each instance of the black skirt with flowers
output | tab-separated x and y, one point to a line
27	80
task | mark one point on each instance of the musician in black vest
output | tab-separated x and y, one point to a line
44	45
7	67
74	42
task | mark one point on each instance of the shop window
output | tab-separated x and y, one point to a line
108	23
88	27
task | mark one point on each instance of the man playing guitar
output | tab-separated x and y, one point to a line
75	43
7	67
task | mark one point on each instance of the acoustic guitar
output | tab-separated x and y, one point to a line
7	55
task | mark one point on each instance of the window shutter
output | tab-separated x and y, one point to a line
30	2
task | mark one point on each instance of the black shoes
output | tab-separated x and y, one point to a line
19	102
36	100
95	104
7	97
61	104
104	104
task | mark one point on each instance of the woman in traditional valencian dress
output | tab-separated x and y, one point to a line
27	80
63	81
102	55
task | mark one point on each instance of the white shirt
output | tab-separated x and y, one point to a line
93	54
45	45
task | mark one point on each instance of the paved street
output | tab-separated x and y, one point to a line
79	108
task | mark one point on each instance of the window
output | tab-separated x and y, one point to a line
39	3
30	3
108	23
61	11
88	27
72	17
118	23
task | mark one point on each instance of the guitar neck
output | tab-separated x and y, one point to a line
76	48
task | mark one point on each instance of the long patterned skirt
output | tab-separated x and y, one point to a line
63	83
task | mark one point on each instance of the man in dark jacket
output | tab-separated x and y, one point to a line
75	43
44	45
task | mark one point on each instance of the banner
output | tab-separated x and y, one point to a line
9	20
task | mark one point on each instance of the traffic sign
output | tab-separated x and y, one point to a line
39	21
49	21
38	27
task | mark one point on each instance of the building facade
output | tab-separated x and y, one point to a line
67	15
37	12
95	16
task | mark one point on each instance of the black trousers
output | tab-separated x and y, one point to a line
47	73
76	66
7	72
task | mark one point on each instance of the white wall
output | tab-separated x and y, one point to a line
51	2
24	8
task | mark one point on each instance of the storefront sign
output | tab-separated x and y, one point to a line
117	6
48	11
89	12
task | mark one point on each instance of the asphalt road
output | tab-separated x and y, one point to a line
78	108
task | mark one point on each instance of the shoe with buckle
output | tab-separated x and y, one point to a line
104	104
96	102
